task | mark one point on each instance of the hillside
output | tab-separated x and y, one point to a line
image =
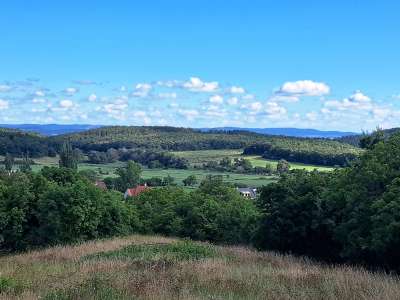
50	129
184	139
354	140
151	267
293	132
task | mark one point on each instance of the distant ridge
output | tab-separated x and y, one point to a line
51	129
294	132
58	129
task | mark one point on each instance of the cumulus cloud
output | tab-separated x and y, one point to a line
304	88
5	88
255	106
216	99
38	100
189	114
142	90
195	84
92	97
71	91
233	101
274	110
167	95
357	101
3	104
237	90
39	93
66	104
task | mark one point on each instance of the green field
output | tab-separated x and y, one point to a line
107	170
203	156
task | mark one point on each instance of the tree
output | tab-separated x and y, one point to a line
68	157
168	180
9	162
190	180
25	166
282	167
368	141
129	176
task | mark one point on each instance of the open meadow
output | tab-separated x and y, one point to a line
107	170
200	157
154	267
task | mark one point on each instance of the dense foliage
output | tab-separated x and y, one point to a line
349	215
308	151
108	144
60	205
315	151
214	212
17	143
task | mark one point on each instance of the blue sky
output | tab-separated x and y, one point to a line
319	64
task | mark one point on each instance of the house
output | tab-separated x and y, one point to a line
101	185
250	193
136	191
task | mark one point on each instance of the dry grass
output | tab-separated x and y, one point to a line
235	273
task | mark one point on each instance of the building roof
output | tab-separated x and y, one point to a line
249	191
136	191
100	184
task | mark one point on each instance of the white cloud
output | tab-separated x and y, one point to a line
139	114
142	90
216	99
38	100
195	84
3	104
39	93
233	101
255	106
5	88
92	97
66	104
304	88
312	116
274	110
167	95
237	90
71	91
189	114
358	96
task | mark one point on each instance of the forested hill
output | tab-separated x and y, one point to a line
17	143
305	150
354	140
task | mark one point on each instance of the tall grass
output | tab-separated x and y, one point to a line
140	267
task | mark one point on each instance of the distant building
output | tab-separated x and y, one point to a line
136	191
100	184
250	193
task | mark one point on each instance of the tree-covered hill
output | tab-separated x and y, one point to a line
354	140
163	139
18	143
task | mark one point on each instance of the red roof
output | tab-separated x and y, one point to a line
137	190
100	184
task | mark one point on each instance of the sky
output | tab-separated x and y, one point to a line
329	65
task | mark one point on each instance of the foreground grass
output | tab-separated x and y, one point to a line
140	267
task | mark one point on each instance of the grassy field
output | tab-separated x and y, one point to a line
141	267
203	156
108	170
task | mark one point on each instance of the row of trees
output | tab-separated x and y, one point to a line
243	165
350	215
59	205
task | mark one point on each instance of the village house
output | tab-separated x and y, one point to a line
250	193
101	185
134	192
